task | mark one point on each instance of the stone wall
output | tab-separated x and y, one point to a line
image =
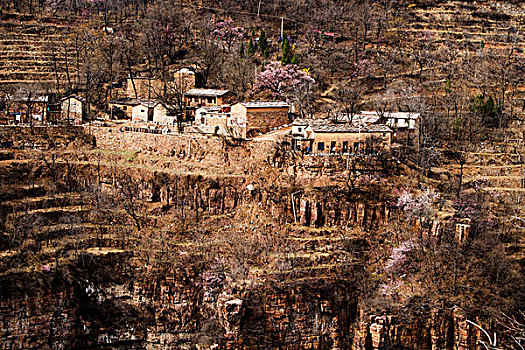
43	137
204	149
266	121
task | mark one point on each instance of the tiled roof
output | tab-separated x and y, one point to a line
265	104
206	92
398	115
327	125
211	108
148	103
34	98
352	128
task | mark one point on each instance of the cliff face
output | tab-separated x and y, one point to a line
219	262
173	313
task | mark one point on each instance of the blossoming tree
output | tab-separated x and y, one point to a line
228	33
289	82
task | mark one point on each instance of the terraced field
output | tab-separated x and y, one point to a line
30	49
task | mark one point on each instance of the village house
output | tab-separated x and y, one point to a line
405	125
259	116
324	136
72	109
205	97
122	108
29	108
149	111
205	113
217	120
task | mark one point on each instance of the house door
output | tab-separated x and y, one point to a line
150	114
345	146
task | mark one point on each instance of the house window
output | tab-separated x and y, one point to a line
124	107
142	111
320	146
300	129
332	146
345	146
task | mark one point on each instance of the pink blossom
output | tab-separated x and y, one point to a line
391	288
415	206
227	32
281	80
397	262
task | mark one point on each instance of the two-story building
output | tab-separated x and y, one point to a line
206	97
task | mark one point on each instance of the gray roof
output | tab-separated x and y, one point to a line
206	92
326	126
125	101
265	104
352	128
31	98
398	115
148	103
212	108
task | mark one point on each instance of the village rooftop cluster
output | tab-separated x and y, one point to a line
138	107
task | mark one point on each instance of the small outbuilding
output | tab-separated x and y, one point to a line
149	111
73	109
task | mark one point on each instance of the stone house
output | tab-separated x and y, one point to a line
149	111
213	115
205	97
73	109
259	116
325	136
218	120
26	108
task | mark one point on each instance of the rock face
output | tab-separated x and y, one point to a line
107	292
230	312
322	317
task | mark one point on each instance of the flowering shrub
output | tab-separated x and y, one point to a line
415	206
227	32
398	260
391	288
282	79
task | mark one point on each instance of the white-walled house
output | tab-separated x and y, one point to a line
149	111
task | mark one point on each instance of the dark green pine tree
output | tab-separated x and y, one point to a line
253	33
251	48
263	41
241	50
266	52
294	59
287	50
